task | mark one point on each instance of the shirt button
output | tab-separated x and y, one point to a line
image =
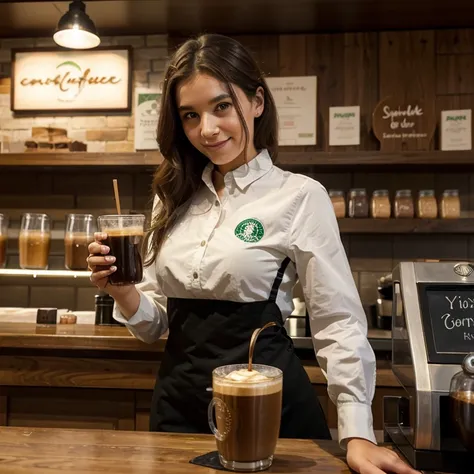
195	275
217	203
203	243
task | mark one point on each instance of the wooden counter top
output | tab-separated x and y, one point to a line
41	450
89	336
73	336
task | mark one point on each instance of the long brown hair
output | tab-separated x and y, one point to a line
180	175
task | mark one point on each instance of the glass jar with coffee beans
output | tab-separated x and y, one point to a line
358	203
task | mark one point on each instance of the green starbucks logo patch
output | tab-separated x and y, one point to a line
250	230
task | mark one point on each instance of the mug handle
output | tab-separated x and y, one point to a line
218	434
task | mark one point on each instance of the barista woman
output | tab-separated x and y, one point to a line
229	236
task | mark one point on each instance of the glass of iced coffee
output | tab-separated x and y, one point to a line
247	407
79	234
34	241
124	238
3	239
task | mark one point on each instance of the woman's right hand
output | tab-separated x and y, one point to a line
99	262
102	266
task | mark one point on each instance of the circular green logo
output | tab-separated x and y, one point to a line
250	230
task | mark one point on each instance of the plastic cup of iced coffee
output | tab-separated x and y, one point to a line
124	238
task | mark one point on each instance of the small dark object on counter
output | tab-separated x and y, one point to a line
104	308
209	460
46	316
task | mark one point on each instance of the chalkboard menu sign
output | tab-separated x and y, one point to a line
448	320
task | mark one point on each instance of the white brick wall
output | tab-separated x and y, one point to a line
150	55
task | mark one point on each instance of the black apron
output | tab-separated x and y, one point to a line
205	334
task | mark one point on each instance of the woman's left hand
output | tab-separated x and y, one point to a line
367	458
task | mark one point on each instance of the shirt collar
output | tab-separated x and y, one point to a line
244	175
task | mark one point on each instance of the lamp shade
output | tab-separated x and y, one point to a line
75	29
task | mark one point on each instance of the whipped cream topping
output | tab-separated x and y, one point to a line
247	376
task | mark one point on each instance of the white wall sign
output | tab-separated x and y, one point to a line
295	98
456	130
58	81
344	125
147	112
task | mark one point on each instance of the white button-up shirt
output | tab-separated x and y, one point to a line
231	248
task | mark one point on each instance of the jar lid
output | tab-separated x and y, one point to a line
403	193
103	298
451	192
380	192
468	364
358	192
335	192
426	193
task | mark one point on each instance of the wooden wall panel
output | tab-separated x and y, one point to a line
292	60
407	68
459	41
455	74
265	49
69	408
407	64
361	82
325	59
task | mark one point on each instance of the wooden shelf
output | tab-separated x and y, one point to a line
17	272
287	158
375	158
406	226
147	158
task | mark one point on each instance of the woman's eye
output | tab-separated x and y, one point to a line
190	115
223	106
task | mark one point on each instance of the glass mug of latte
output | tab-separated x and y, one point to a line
247	408
3	239
34	241
79	234
124	238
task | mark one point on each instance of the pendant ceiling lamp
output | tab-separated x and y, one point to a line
75	29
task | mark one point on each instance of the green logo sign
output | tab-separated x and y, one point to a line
250	230
455	118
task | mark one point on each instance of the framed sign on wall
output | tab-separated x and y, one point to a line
61	82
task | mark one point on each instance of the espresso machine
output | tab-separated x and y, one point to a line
432	332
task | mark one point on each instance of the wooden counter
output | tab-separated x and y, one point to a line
82	339
37	451
86	376
88	336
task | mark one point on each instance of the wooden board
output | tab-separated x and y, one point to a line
354	159
37	450
81	159
406	226
73	337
